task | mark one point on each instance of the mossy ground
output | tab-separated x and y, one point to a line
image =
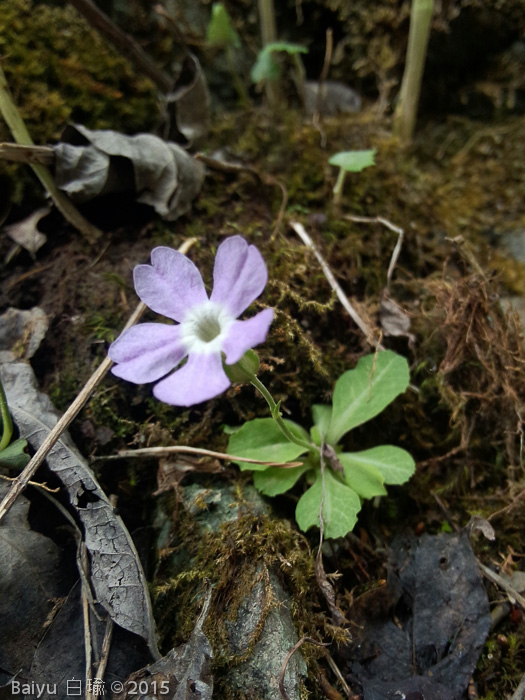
464	427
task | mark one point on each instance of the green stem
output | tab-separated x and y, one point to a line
276	415
338	187
269	36
239	87
418	35
7	423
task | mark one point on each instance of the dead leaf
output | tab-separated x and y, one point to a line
425	634
26	233
30	580
394	320
191	102
160	174
185	673
21	333
116	572
60	655
479	524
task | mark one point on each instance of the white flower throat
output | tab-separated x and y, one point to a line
205	327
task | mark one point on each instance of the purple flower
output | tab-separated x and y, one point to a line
173	286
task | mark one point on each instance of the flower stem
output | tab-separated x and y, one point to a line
276	415
7	423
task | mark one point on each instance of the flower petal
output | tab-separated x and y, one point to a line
146	352
243	335
239	275
201	378
171	284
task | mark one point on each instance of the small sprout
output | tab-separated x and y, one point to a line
222	34
220	31
266	67
349	162
267	70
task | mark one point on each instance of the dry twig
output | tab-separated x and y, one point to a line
303	235
177	449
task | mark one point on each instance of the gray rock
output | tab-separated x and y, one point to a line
258	676
336	98
513	244
263	620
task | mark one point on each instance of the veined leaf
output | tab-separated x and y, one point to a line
363	392
262	439
394	464
322	416
277	480
340	506
364	478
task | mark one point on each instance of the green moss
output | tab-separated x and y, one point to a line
59	70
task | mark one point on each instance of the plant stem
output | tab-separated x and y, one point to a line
7	423
21	135
276	415
419	32
338	188
269	36
237	82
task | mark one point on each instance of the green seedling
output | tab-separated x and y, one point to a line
222	34
338	481
349	162
267	70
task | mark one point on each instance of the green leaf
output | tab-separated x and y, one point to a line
354	161
14	456
220	31
363	392
322	416
276	480
393	463
284	46
364	478
341	505
262	439
266	67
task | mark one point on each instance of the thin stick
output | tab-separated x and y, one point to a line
324	72
287	661
397	249
106	648
301	232
54	434
14	121
20	153
177	449
85	616
502	583
123	42
36	484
